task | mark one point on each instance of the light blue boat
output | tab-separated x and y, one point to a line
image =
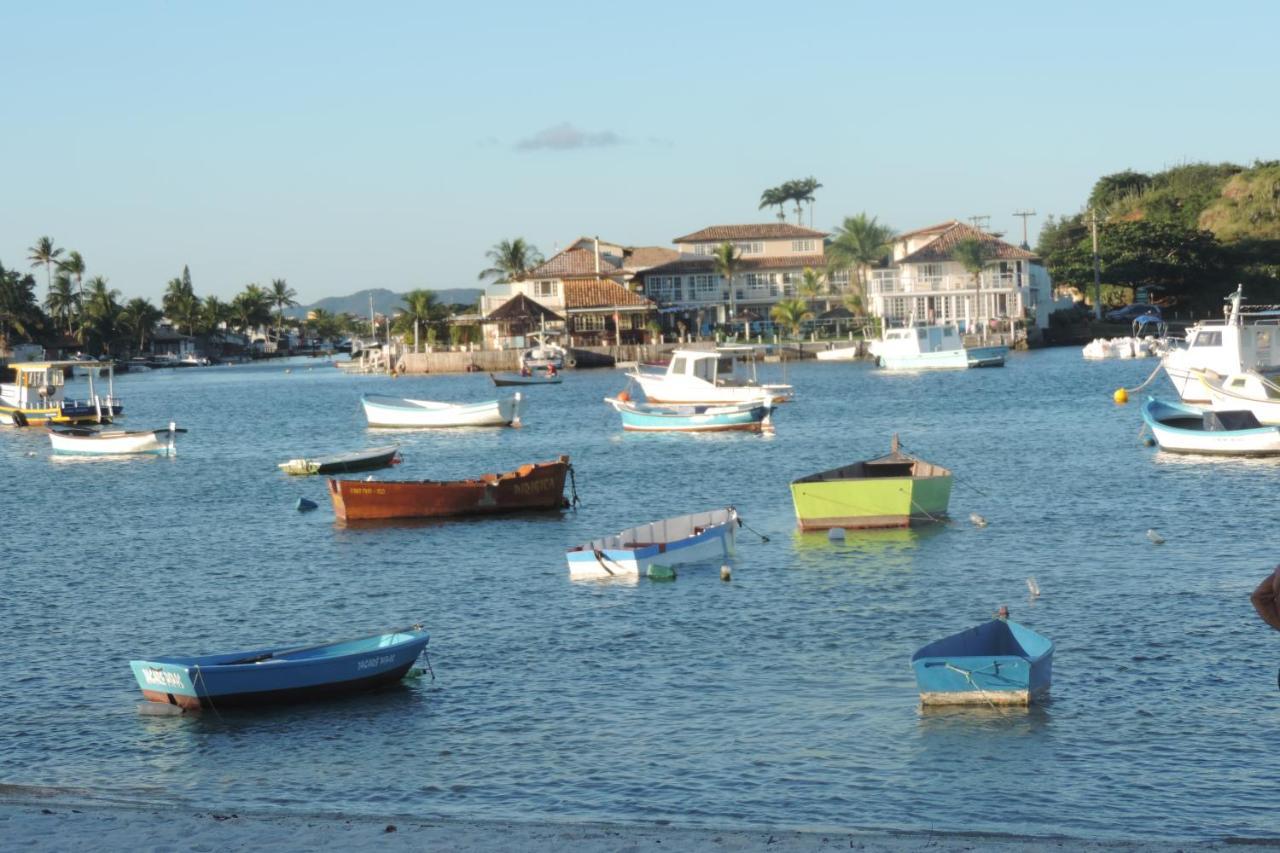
755	416
1179	428
265	676
996	663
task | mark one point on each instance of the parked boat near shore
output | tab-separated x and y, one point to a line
672	541
1245	340
511	380
535	486
87	441
1180	428
708	376
996	663
384	411
849	353
1249	390
932	347
272	675
38	396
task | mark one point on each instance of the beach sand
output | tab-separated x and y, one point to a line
38	824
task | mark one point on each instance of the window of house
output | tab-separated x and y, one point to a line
931	271
588	323
546	288
759	280
800	246
750	248
704	286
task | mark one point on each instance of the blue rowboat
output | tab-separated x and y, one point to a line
263	676
650	417
997	663
1179	428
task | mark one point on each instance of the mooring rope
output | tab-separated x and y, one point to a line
968	676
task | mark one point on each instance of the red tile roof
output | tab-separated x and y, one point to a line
572	262
705	263
521	307
932	229
643	257
767	231
939	249
580	294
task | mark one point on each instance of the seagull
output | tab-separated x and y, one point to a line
978	521
1033	587
1156	538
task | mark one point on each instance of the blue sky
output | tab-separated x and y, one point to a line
343	146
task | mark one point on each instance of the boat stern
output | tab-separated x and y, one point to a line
167	683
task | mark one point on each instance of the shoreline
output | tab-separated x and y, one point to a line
44	819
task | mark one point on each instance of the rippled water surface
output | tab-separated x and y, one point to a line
784	697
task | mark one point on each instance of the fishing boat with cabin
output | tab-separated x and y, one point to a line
342	463
997	663
398	412
277	675
1249	390
88	441
897	490
535	486
1180	428
932	347
37	397
707	377
1247	338
689	538
653	417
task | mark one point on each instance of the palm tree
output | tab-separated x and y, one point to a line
213	313
138	319
63	303
791	314
421	311
282	297
324	324
99	315
19	311
811	284
858	243
728	259
251	308
74	266
972	253
802	191
44	252
512	260
774	197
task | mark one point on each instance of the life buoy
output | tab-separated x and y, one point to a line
19	419
570	361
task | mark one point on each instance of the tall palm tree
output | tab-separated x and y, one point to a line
791	314
421	311
812	284
63	303
138	320
213	313
251	308
73	265
44	252
728	259
511	259
972	253
99	315
773	197
859	242
19	311
803	191
282	296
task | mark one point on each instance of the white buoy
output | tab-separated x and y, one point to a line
1156	538
725	573
978	521
1033	587
835	534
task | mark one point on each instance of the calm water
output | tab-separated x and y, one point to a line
784	697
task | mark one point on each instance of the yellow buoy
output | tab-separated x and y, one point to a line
1121	396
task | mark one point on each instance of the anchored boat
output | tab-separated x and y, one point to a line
530	487
996	663
701	376
1248	389
341	463
87	441
1245	340
506	380
284	674
1180	428
651	417
683	539
384	411
929	347
896	490
38	396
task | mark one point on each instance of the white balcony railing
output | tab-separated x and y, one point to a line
893	282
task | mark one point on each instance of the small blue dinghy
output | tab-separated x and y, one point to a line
266	676
997	663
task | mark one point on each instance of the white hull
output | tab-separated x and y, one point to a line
115	443
1249	391
701	537
397	412
1217	444
843	354
683	389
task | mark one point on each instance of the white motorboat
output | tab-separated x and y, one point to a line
1180	428
708	376
684	539
932	347
86	441
838	354
1246	339
384	411
1249	390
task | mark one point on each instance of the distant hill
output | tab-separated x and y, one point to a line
384	301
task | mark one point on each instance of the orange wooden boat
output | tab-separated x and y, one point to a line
538	485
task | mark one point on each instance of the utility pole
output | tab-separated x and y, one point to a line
1025	214
1097	268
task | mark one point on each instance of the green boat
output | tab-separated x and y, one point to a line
892	491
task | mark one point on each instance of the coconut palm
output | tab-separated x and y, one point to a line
773	197
728	259
972	253
282	297
802	191
44	252
213	313
138	320
73	265
512	260
791	314
19	311
812	284
251	308
63	303
859	242
421	311
99	315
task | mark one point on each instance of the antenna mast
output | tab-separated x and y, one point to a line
1025	214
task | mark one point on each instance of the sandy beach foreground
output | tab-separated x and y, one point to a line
32	824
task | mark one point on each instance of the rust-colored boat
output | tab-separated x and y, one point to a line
538	485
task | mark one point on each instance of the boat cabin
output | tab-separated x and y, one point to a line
38	393
942	338
716	367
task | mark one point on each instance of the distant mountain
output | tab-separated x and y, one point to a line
384	301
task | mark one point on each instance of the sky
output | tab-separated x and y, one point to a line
342	146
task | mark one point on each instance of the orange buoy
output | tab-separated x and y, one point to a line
624	396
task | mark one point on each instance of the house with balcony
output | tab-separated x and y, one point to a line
582	293
691	294
924	284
